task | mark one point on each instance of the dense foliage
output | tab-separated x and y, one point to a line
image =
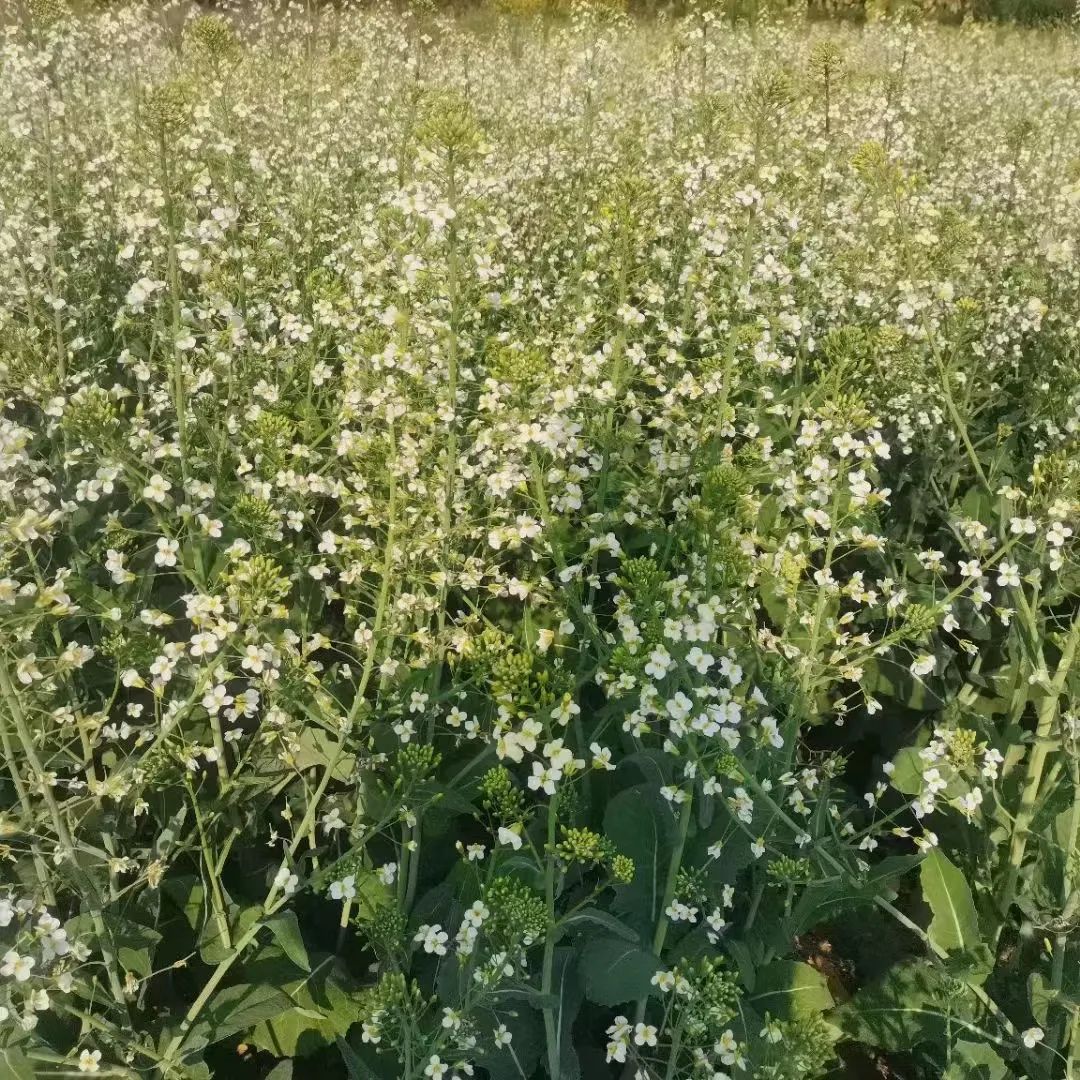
537	548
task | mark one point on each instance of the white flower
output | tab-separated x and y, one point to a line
658	664
16	966
544	778
435	1068
285	880
1057	534
1032	1037
204	643
700	661
88	1061
923	665
601	757
620	1032
216	699
1008	574
433	938
645	1034
345	889
158	488
510	837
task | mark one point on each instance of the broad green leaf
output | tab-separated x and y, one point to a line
975	1061
320	1008
654	765
903	1009
317	748
187	892
132	942
828	899
907	772
566	986
615	971
214	943
372	892
1040	997
286	932
640	825
740	952
955	925
973	968
283	1070
886	678
526	1027
355	1066
595	921
790	988
238	1008
15	1065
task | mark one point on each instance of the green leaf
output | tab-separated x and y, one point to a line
286	932
214	944
593	920
828	899
566	986
740	952
907	772
526	1027
320	1008
372	892
640	825
975	1061
789	988
317	748
283	1070
132	942
1040	997
15	1065
187	893
956	923
615	971
885	678
354	1064
901	1010
238	1008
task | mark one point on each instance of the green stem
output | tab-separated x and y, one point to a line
446	511
179	402
414	866
1047	714
1068	899
551	1032
219	973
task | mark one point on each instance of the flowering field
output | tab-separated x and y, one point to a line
537	549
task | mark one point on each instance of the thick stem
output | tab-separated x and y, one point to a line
551	1031
219	973
1047	714
1068	899
179	400
446	511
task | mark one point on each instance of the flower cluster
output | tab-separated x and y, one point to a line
573	506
